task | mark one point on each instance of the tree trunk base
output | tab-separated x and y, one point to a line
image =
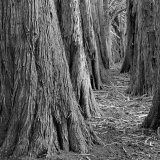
125	66
153	119
72	133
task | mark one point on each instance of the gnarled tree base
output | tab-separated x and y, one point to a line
126	65
36	93
153	119
44	128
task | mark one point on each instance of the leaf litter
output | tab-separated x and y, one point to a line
119	127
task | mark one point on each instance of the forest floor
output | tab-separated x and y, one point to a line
118	128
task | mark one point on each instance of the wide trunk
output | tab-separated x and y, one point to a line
38	108
153	119
143	74
140	47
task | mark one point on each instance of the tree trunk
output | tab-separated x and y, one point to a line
100	34
153	119
144	46
39	113
140	47
90	44
107	31
117	44
130	36
122	31
71	30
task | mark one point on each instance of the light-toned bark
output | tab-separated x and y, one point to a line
90	44
71	30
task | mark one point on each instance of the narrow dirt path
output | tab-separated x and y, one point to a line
118	128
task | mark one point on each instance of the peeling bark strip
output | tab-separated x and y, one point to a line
71	29
39	113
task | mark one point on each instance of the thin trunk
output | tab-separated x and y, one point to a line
122	36
108	32
90	44
130	36
142	74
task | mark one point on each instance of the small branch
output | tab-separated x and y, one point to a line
115	34
116	14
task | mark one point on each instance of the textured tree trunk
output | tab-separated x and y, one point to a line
130	36
142	73
100	34
90	44
107	31
106	17
153	119
117	25
39	113
71	30
140	47
122	37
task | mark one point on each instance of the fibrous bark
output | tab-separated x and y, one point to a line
140	48
90	44
39	114
100	34
117	39
71	30
130	36
144	49
153	119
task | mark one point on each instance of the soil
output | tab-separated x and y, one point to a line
119	127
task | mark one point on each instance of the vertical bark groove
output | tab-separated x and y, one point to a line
153	119
73	41
39	112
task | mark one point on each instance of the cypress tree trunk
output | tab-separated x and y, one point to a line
130	36
122	31
90	44
153	119
71	30
100	34
140	48
144	44
39	113
108	32
118	49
